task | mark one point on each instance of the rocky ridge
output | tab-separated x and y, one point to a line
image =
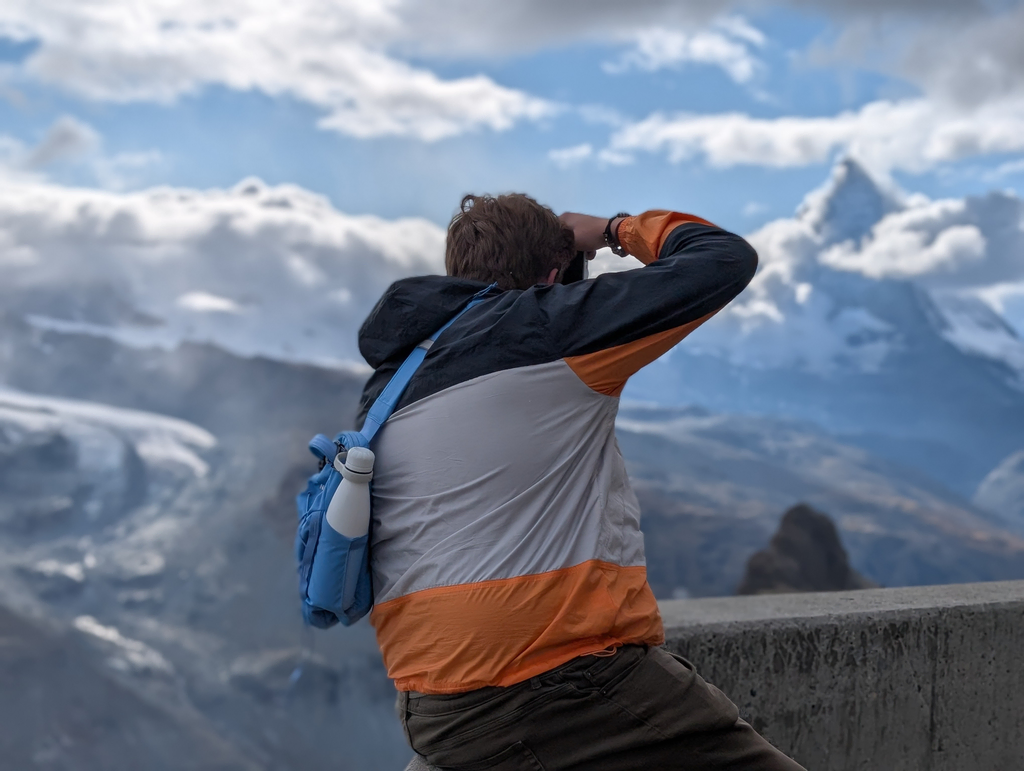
804	555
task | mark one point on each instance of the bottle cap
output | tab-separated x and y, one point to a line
360	460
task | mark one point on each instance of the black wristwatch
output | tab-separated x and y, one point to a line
611	239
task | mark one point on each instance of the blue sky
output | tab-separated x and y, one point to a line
149	114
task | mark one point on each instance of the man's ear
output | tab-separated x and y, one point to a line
550	278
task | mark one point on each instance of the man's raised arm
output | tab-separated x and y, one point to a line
610	327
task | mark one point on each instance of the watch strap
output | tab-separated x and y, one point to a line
611	239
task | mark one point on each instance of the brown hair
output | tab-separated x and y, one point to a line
510	239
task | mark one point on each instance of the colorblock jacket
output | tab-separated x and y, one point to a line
505	537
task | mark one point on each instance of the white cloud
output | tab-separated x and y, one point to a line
607	261
125	170
275	271
1006	169
471	28
68	139
906	254
614	157
570	156
739	28
912	135
964	56
204	302
726	45
971	243
329	54
525	26
11	152
968	49
968	58
70	142
345	57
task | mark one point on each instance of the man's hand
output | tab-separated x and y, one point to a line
589	231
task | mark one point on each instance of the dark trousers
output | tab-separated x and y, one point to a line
641	708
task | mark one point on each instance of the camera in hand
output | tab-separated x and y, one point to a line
577	269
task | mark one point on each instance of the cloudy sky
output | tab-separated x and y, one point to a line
369	113
396	108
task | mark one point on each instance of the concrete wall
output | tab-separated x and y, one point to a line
918	679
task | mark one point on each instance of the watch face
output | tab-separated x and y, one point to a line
577	270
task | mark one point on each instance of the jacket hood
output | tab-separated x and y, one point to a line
410	311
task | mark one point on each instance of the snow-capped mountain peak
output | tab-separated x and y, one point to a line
869	316
848	281
848	205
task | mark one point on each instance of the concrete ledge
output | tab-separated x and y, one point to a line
682	615
895	679
917	678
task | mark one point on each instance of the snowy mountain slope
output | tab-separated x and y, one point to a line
714	486
95	430
875	331
975	329
225	394
100	462
74	711
147	540
1002	491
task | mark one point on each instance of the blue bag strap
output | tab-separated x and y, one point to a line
385	404
322	447
350	439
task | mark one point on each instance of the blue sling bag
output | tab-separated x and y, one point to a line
334	570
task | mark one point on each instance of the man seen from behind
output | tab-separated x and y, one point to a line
511	599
